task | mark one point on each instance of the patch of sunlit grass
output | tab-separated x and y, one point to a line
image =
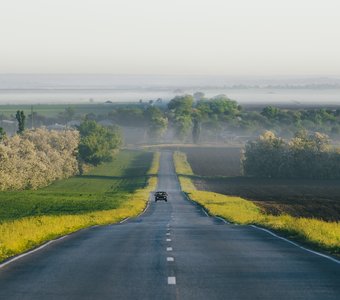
181	164
17	236
155	164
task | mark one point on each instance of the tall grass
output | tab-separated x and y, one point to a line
155	164
19	235
181	164
318	233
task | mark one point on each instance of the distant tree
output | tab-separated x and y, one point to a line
37	120
157	122
2	134
181	105
182	124
304	156
68	114
196	130
264	157
219	108
20	116
98	143
270	112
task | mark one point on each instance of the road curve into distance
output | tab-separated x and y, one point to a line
172	251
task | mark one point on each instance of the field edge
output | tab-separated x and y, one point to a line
319	235
38	230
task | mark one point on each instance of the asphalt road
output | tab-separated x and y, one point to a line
173	251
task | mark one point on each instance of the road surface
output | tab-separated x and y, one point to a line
172	251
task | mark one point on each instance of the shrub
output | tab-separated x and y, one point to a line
36	158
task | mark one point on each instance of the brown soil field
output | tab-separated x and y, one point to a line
207	161
218	170
299	198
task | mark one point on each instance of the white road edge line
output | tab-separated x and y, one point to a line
225	222
171	280
145	209
297	245
147	206
188	198
124	220
205	212
170	258
279	237
30	252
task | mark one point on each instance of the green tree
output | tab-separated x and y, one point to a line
180	113
265	157
98	143
20	116
270	112
196	131
2	134
181	105
157	122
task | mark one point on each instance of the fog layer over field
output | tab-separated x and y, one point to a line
34	88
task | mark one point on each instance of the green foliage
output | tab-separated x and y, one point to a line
128	116
2	134
182	125
304	156
270	112
157	122
20	116
181	105
196	131
220	107
219	117
98	143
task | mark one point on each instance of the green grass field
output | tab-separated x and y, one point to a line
105	195
52	110
103	188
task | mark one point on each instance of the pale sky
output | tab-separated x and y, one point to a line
206	37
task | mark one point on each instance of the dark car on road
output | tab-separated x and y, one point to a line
161	196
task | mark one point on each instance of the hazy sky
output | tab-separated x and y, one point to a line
220	37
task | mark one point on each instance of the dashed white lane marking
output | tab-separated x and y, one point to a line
168	240
168	233
297	245
170	258
168	248
171	280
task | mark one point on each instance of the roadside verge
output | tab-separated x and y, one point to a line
24	234
313	232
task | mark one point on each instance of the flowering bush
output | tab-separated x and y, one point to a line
37	157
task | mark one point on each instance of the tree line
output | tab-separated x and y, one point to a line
304	156
34	158
197	118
